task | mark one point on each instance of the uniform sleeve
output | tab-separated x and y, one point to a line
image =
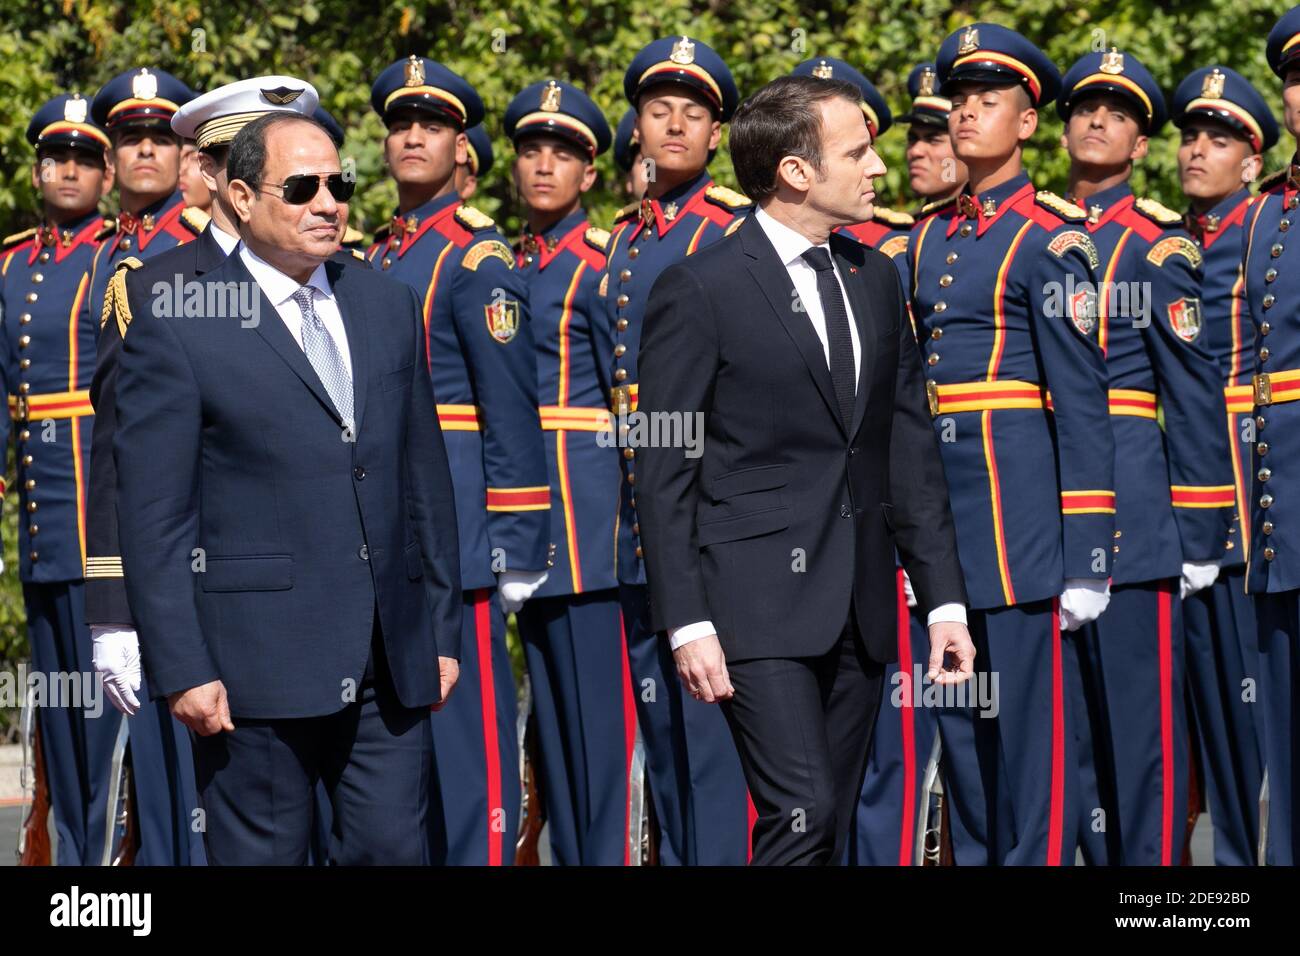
6	356
601	331
1190	389
503	370
106	602
1061	292
157	444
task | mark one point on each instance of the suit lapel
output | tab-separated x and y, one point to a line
208	253
771	275
352	309
850	260
274	332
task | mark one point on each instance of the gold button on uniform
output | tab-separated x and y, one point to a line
1276	250
31	506
1268	527
38	277
32	297
1270	275
620	349
24	341
24	388
44	257
31	483
965	231
951	258
638	551
1268	300
633	252
1269	554
620	374
1262	448
24	435
621	325
945	280
1265	501
1263	354
629	453
33	529
125	244
1264	474
940	306
24	318
621	301
933	359
1265	328
25	363
625	275
27	460
33	555
936	334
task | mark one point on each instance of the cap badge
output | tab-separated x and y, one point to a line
927	83
551	97
683	52
144	85
823	70
282	95
1112	62
74	110
414	71
970	41
1212	88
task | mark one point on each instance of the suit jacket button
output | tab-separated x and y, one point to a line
360	473
852	451
363	553
845	512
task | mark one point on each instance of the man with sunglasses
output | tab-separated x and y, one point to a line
211	120
480	347
287	523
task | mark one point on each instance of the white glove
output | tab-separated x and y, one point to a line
516	587
1197	575
1082	601
116	655
907	590
2	565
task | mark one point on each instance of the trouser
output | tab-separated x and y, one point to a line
696	781
77	735
1279	675
802	727
1223	674
257	782
888	808
1011	776
1133	656
476	789
166	794
585	721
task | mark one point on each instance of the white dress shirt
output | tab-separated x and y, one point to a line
225	240
279	289
790	247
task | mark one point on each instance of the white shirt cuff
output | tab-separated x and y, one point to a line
947	614
677	636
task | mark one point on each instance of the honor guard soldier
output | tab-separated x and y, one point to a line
136	107
1173	486
1226	127
934	173
352	239
1004	302
1272	277
582	696
683	93
627	156
484	368
478	160
887	231
48	345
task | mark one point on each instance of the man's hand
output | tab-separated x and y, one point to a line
703	669
1083	601
115	652
949	637
448	674
203	709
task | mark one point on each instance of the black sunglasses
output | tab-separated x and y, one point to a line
302	188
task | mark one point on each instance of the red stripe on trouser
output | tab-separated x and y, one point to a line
629	741
1165	637
752	813
1056	817
488	703
909	726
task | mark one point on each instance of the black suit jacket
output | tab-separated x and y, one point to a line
787	516
227	442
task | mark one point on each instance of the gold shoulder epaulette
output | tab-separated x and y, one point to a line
937	205
726	197
1157	212
596	237
1271	180
1061	206
115	300
195	219
892	217
352	236
109	227
18	237
631	209
472	219
358	255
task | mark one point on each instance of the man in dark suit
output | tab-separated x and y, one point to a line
286	520
770	550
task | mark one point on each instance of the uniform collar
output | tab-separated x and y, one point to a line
546	246
405	230
987	207
1208	226
668	210
150	220
65	238
1104	206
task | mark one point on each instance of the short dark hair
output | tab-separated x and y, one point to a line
779	120
247	157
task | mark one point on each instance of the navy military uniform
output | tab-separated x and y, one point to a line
582	696
1032	495
1272	277
161	761
696	782
1174	499
1222	645
484	367
479	150
47	358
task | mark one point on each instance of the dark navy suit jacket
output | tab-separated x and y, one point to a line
259	544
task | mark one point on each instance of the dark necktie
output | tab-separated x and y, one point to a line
838	336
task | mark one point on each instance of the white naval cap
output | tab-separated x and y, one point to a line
216	116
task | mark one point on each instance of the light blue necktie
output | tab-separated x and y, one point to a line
324	355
